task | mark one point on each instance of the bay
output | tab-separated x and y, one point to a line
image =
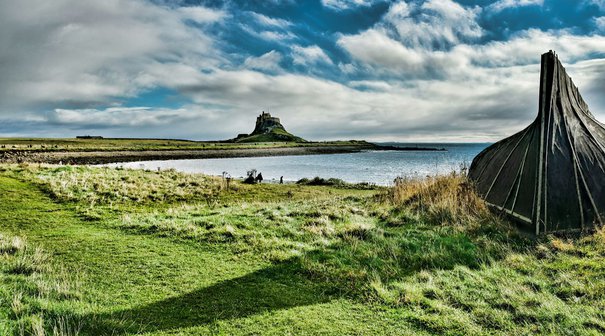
378	167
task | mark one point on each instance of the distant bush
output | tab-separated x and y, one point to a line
334	182
321	181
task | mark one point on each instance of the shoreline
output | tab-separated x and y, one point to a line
117	156
104	157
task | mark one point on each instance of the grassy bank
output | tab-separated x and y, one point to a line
168	253
109	144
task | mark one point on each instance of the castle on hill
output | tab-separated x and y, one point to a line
265	123
268	129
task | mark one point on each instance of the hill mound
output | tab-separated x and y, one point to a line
268	129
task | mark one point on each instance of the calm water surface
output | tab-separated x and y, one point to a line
380	167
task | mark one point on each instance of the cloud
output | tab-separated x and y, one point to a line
309	55
200	14
374	47
524	48
598	3
124	121
268	62
440	39
118	117
420	70
434	24
414	38
85	53
396	111
422	52
348	4
278	36
504	4
269	21
267	28
600	23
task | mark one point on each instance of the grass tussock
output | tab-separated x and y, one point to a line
448	200
33	290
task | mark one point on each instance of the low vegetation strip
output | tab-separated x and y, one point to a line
126	144
101	157
422	257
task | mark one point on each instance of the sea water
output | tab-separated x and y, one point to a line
378	167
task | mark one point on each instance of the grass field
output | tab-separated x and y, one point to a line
98	251
73	144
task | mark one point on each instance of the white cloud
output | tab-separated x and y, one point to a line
526	46
600	23
348	4
415	39
201	14
118	117
272	29
373	47
418	56
441	109
438	39
134	122
422	73
278	36
434	24
85	52
271	22
504	4
309	55
347	68
371	85
268	62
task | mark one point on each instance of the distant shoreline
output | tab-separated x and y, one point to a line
104	157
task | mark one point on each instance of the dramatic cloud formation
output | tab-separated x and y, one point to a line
416	70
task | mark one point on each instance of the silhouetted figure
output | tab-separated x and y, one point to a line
259	178
281	180
251	179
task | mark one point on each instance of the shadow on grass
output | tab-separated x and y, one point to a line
274	288
291	284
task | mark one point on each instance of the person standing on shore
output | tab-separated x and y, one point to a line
259	178
281	180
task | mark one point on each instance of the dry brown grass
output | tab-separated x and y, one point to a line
448	199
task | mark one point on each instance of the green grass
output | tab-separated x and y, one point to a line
161	253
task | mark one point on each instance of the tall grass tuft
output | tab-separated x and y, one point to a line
448	199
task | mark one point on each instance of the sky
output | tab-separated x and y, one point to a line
379	70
